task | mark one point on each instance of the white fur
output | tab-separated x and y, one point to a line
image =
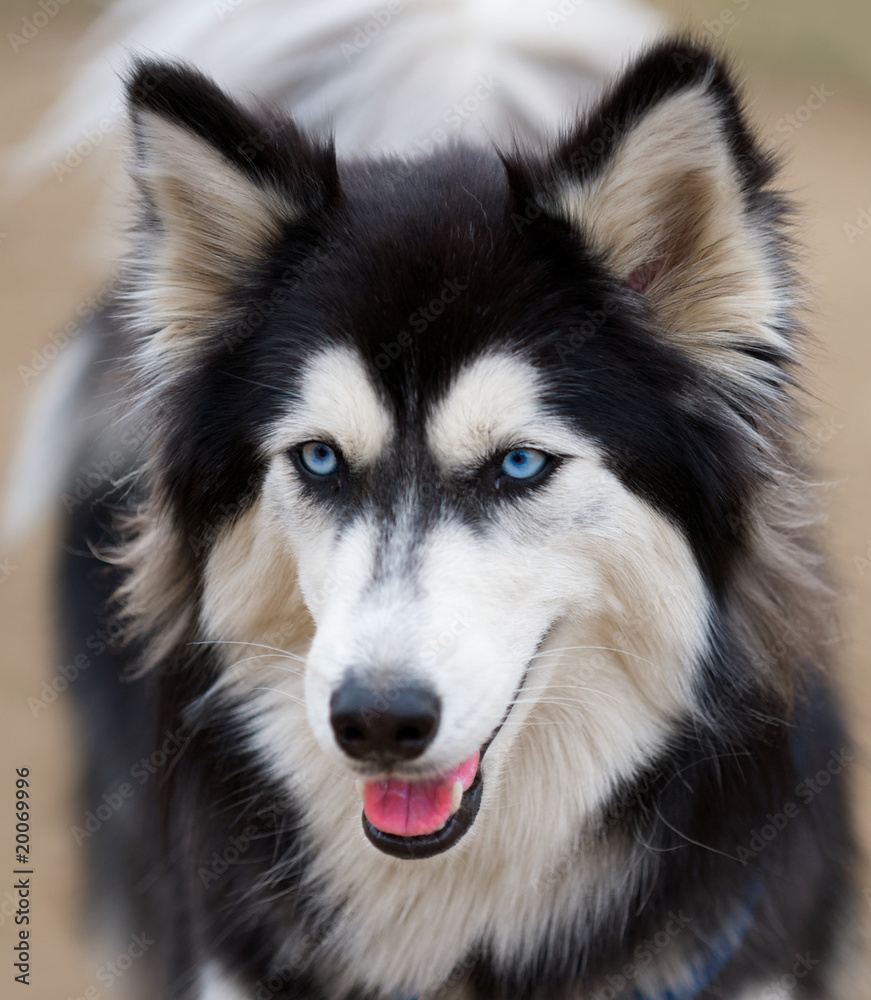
492	404
545	587
428	56
215	985
338	402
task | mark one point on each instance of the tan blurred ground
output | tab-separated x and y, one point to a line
48	265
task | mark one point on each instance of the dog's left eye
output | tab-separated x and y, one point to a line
523	463
318	458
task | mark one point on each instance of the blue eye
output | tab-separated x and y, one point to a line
318	458
523	463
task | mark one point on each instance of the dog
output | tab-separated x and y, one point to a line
453	589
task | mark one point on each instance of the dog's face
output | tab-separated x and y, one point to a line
449	543
464	437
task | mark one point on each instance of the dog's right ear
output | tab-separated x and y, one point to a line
221	184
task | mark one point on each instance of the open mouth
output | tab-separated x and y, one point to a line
419	819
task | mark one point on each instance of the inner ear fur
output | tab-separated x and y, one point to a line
667	184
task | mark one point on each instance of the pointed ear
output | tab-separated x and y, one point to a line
220	186
667	184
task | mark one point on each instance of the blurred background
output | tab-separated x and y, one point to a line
808	80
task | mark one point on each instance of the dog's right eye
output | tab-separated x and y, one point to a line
318	459
524	463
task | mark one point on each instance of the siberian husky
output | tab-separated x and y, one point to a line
461	562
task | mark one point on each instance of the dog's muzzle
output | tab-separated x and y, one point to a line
388	728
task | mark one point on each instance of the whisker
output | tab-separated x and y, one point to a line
608	649
244	642
287	694
263	656
562	703
294	671
557	687
688	839
568	687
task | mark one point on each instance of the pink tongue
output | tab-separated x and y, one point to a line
413	808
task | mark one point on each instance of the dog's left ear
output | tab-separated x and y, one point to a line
666	182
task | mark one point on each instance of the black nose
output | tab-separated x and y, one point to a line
387	725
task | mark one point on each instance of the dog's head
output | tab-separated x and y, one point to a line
477	441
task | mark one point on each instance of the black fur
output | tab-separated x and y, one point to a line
270	149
